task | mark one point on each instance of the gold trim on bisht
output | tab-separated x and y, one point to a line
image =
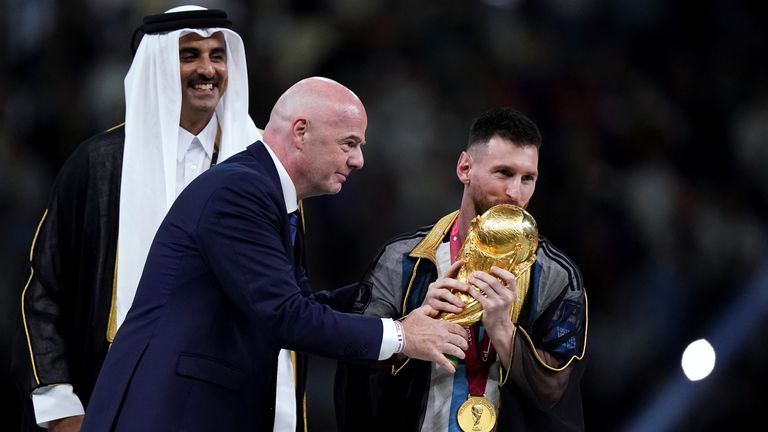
427	247
112	321
24	294
505	236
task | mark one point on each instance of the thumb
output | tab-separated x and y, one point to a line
453	270
428	310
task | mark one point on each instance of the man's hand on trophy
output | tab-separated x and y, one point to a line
497	295
429	339
440	293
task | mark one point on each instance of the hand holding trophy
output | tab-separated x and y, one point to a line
505	236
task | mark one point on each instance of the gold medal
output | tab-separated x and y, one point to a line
476	414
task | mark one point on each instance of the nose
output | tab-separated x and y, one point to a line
356	159
205	67
513	191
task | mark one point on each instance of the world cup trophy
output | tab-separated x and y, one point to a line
505	236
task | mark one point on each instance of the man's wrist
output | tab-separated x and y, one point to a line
400	337
392	339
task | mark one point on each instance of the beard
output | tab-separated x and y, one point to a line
483	203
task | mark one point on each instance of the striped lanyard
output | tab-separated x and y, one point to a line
478	362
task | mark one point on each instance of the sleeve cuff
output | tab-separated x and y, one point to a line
54	402
392	339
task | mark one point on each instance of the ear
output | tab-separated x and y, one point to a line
299	129
463	167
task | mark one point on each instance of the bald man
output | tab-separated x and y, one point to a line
224	294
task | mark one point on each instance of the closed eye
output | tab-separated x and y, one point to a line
187	54
219	54
350	144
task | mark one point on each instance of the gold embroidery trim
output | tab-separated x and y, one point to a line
24	292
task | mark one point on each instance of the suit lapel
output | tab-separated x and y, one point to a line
262	157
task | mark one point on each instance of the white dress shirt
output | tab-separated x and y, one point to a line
194	153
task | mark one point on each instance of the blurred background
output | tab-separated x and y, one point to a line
654	169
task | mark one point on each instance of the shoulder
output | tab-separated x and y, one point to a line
396	255
241	173
248	165
238	184
405	242
98	156
558	266
105	143
104	147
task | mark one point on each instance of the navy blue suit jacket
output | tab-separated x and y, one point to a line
219	296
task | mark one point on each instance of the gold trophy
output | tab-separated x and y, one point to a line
505	236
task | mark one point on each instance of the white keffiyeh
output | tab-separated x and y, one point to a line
153	97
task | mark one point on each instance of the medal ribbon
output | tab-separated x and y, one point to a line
478	362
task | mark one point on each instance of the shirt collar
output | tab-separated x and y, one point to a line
207	137
289	189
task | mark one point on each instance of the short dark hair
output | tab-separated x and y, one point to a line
507	123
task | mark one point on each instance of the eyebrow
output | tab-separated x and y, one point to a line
500	165
195	50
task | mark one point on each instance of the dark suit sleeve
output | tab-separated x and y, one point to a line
348	298
243	236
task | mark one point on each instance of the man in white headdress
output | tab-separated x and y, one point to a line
186	108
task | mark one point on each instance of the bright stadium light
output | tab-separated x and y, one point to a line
698	360
739	320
